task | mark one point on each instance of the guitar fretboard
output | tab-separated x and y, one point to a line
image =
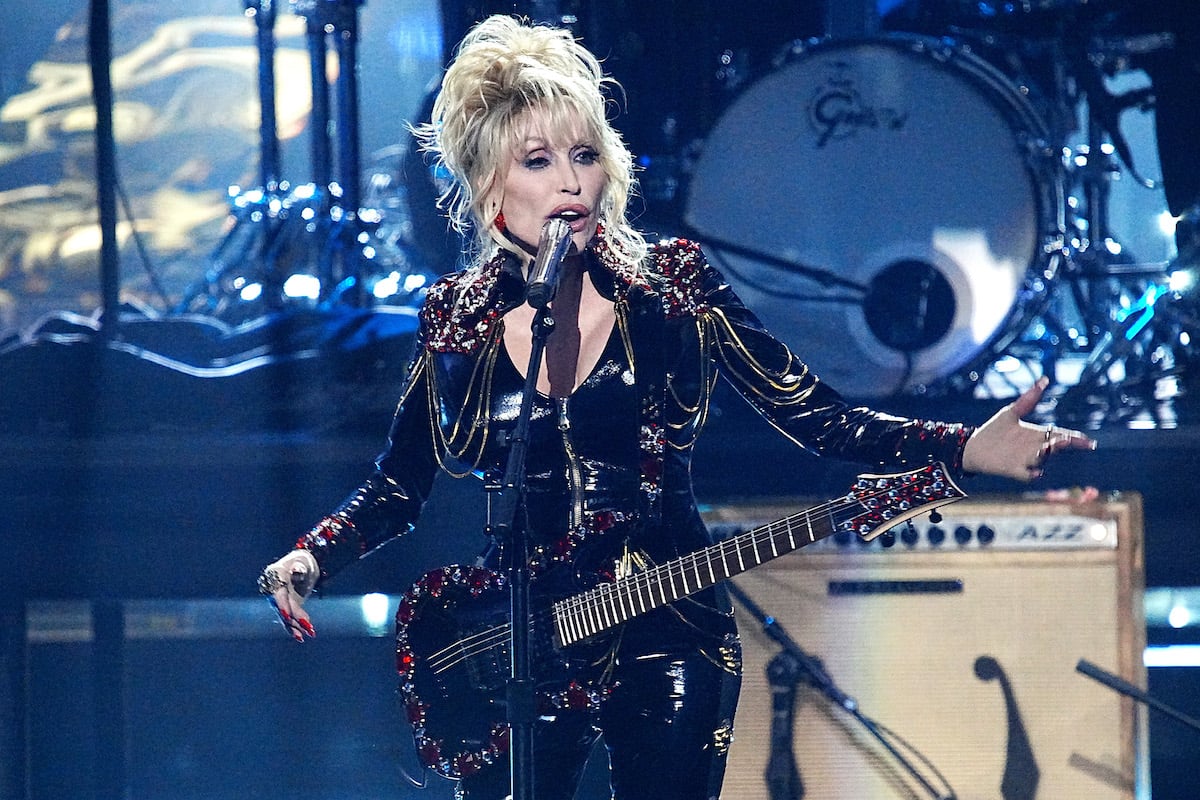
610	604
876	502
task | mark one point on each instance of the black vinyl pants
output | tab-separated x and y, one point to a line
667	727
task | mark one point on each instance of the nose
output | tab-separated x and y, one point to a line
568	179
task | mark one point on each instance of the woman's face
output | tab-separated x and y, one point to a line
553	173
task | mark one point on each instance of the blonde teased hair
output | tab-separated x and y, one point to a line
503	68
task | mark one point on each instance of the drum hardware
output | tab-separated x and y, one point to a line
1132	331
313	243
263	12
904	291
908	305
822	276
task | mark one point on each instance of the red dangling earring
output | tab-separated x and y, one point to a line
499	221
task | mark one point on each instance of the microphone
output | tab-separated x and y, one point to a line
543	275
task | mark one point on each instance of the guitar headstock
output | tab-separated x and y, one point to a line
876	503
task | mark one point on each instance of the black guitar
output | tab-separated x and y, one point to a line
452	627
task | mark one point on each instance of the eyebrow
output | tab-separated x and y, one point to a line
541	142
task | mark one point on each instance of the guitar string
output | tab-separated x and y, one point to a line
490	638
691	563
480	641
609	595
493	637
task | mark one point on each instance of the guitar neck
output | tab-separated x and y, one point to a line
610	604
874	504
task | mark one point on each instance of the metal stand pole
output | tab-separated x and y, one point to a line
513	531
349	162
99	58
264	15
108	698
320	147
337	215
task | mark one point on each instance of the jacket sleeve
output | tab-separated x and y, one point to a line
783	389
389	501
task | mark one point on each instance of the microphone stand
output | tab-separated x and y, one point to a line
827	278
100	64
783	777
812	670
509	501
1126	688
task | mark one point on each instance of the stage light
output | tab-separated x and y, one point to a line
1008	364
386	286
1182	281
1167	223
1179	616
1178	655
375	612
302	286
397	283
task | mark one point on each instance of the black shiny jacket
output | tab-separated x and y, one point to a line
612	462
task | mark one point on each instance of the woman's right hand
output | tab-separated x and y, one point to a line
287	583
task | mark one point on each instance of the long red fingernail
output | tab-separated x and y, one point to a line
308	628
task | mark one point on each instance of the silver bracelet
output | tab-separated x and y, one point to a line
269	581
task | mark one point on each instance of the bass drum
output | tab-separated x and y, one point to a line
890	208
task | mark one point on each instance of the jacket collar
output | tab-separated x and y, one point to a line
509	291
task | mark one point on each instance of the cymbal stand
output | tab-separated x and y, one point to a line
1119	317
263	12
338	210
1131	324
279	229
255	213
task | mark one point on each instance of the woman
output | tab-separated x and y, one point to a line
641	334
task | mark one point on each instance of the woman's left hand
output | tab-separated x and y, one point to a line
1007	445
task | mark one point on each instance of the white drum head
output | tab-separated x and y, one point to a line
876	207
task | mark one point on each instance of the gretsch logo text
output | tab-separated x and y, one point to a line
837	109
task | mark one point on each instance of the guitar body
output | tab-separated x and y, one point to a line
453	658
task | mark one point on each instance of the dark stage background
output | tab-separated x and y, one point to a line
154	457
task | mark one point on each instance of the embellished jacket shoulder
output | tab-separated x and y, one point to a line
719	336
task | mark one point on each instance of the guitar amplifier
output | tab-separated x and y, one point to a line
957	640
